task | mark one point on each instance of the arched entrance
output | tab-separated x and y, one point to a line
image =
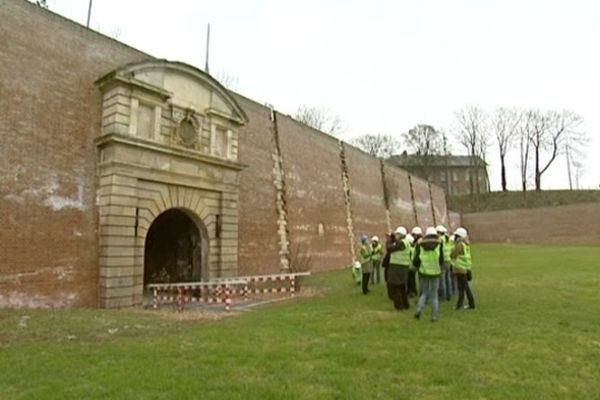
175	249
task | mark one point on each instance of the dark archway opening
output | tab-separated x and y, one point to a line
173	250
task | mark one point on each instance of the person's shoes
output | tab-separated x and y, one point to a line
458	308
470	308
417	315
434	320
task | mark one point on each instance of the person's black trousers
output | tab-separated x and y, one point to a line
365	282
399	296
463	287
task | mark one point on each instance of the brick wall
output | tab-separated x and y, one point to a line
400	199
258	242
317	218
573	224
50	115
366	192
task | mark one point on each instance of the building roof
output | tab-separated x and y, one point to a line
414	160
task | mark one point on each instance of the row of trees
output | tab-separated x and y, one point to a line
539	137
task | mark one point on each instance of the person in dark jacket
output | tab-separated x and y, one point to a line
399	251
386	262
429	258
417	234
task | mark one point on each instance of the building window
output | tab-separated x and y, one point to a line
455	176
443	175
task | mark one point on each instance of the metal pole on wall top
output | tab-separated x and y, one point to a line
89	14
207	48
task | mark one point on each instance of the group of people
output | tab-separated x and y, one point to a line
441	263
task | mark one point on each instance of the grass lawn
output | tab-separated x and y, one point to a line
534	335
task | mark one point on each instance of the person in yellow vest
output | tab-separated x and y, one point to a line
417	234
376	256
399	250
366	262
446	277
428	258
461	264
356	272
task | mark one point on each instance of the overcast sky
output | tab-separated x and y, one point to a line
383	66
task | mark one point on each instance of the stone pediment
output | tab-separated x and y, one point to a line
171	104
183	85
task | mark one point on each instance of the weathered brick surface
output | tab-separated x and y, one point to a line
366	193
49	117
573	224
258	246
315	194
401	207
439	205
422	203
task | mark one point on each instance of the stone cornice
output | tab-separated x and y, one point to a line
128	140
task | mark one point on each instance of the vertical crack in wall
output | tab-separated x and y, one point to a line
280	196
347	201
431	202
386	197
412	199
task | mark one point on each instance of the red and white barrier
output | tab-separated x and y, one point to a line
222	290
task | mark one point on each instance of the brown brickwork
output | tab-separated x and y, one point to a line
573	224
400	202
51	224
50	114
317	218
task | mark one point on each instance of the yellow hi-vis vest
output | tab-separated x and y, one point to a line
377	250
430	261
365	253
401	257
463	261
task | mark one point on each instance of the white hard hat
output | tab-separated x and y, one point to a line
401	230
461	232
430	231
441	229
410	238
417	231
375	239
356	265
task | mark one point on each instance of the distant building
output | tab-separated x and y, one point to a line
458	175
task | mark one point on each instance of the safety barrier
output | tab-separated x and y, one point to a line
255	283
222	290
194	292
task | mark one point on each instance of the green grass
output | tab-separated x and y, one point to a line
535	335
494	201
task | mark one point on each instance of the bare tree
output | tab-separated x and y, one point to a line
227	79
427	143
524	132
473	134
381	146
504	124
424	140
550	132
320	118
